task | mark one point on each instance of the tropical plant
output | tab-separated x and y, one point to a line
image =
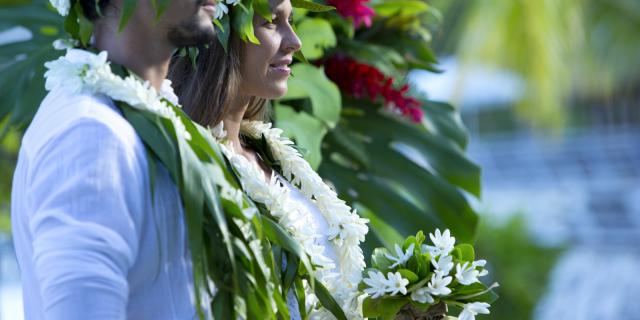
397	157
400	158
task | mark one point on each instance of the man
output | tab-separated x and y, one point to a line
91	240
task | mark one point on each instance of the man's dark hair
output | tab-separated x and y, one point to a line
94	9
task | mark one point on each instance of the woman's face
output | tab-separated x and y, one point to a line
265	67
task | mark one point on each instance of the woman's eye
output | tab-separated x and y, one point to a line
276	20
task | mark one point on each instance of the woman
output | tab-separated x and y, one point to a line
228	89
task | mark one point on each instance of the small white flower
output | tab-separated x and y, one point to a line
221	10
232	2
422	295
62	72
397	284
64	44
467	273
166	91
402	257
481	263
218	131
62	6
438	284
470	310
377	284
442	243
444	264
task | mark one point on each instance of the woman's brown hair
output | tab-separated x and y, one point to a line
207	89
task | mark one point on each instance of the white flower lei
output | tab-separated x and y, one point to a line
92	73
62	6
346	229
222	9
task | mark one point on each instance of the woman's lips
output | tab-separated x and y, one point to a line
282	69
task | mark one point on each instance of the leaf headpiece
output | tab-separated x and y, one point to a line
236	14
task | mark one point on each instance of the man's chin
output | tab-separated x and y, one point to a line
192	34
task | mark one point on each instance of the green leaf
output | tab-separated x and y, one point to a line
276	234
300	57
420	237
386	308
400	7
71	24
223	31
327	300
301	296
311	82
466	252
306	130
409	275
310	5
155	137
316	35
463	293
382	229
128	7
290	273
444	122
423	264
85	26
242	22
387	59
262	8
408	241
160	6
379	260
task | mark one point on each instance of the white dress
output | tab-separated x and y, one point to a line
320	227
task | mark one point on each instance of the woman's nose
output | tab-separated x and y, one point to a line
292	42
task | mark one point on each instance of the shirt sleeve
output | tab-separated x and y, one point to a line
88	188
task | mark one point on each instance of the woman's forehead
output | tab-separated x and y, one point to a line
280	5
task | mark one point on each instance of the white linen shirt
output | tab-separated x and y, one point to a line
90	241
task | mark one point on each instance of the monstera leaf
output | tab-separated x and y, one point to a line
22	63
410	177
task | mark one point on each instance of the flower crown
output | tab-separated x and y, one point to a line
236	14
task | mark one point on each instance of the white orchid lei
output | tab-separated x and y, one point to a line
93	73
423	276
346	229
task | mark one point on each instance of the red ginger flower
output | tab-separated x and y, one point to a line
360	80
355	9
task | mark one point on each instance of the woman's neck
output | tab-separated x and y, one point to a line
232	123
233	120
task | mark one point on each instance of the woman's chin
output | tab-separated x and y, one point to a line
276	92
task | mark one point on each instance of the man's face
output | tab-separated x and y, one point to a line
183	23
190	22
